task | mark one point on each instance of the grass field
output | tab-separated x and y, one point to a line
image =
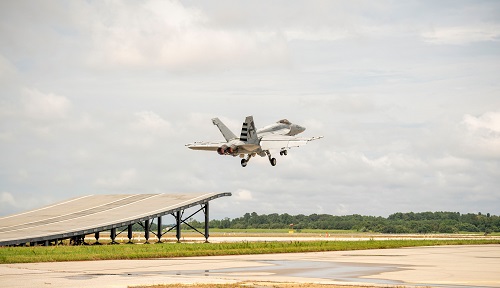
169	250
313	232
281	231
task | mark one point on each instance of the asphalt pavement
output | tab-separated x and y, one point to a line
436	266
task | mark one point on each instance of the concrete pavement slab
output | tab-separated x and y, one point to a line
443	266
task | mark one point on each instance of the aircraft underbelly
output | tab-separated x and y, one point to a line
248	148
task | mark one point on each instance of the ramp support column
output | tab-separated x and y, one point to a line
96	236
113	235
178	227
207	219
146	231
129	233
159	229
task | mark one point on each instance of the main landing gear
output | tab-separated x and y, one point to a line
272	160
244	162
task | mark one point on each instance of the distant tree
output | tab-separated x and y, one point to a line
423	222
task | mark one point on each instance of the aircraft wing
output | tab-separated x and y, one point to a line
278	132
207	146
284	142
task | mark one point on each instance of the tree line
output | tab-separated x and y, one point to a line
424	222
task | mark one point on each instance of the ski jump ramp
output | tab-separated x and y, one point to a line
77	217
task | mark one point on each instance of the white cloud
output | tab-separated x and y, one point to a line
404	121
314	125
317	34
489	122
6	199
7	70
388	170
8	204
452	163
394	162
82	155
151	122
125	180
12	203
149	128
482	135
85	122
461	35
45	106
243	195
22	175
7	136
342	103
170	35
342	209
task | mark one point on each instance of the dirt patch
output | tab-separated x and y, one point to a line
256	285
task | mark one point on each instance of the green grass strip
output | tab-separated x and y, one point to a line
170	250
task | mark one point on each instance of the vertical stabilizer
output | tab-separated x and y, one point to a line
248	131
228	135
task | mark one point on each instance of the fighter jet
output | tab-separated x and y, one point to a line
278	136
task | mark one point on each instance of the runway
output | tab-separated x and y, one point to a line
436	266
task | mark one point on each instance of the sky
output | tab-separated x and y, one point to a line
100	97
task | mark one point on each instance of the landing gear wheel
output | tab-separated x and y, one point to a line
244	163
285	152
273	161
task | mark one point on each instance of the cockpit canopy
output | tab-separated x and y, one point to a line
284	121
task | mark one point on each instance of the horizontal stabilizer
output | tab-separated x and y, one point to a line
207	146
228	135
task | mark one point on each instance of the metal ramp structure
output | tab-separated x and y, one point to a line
74	218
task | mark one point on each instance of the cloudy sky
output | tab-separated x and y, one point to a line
100	97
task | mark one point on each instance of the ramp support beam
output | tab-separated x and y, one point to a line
159	230
146	231
178	226
129	234
96	236
207	219
113	236
178	220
